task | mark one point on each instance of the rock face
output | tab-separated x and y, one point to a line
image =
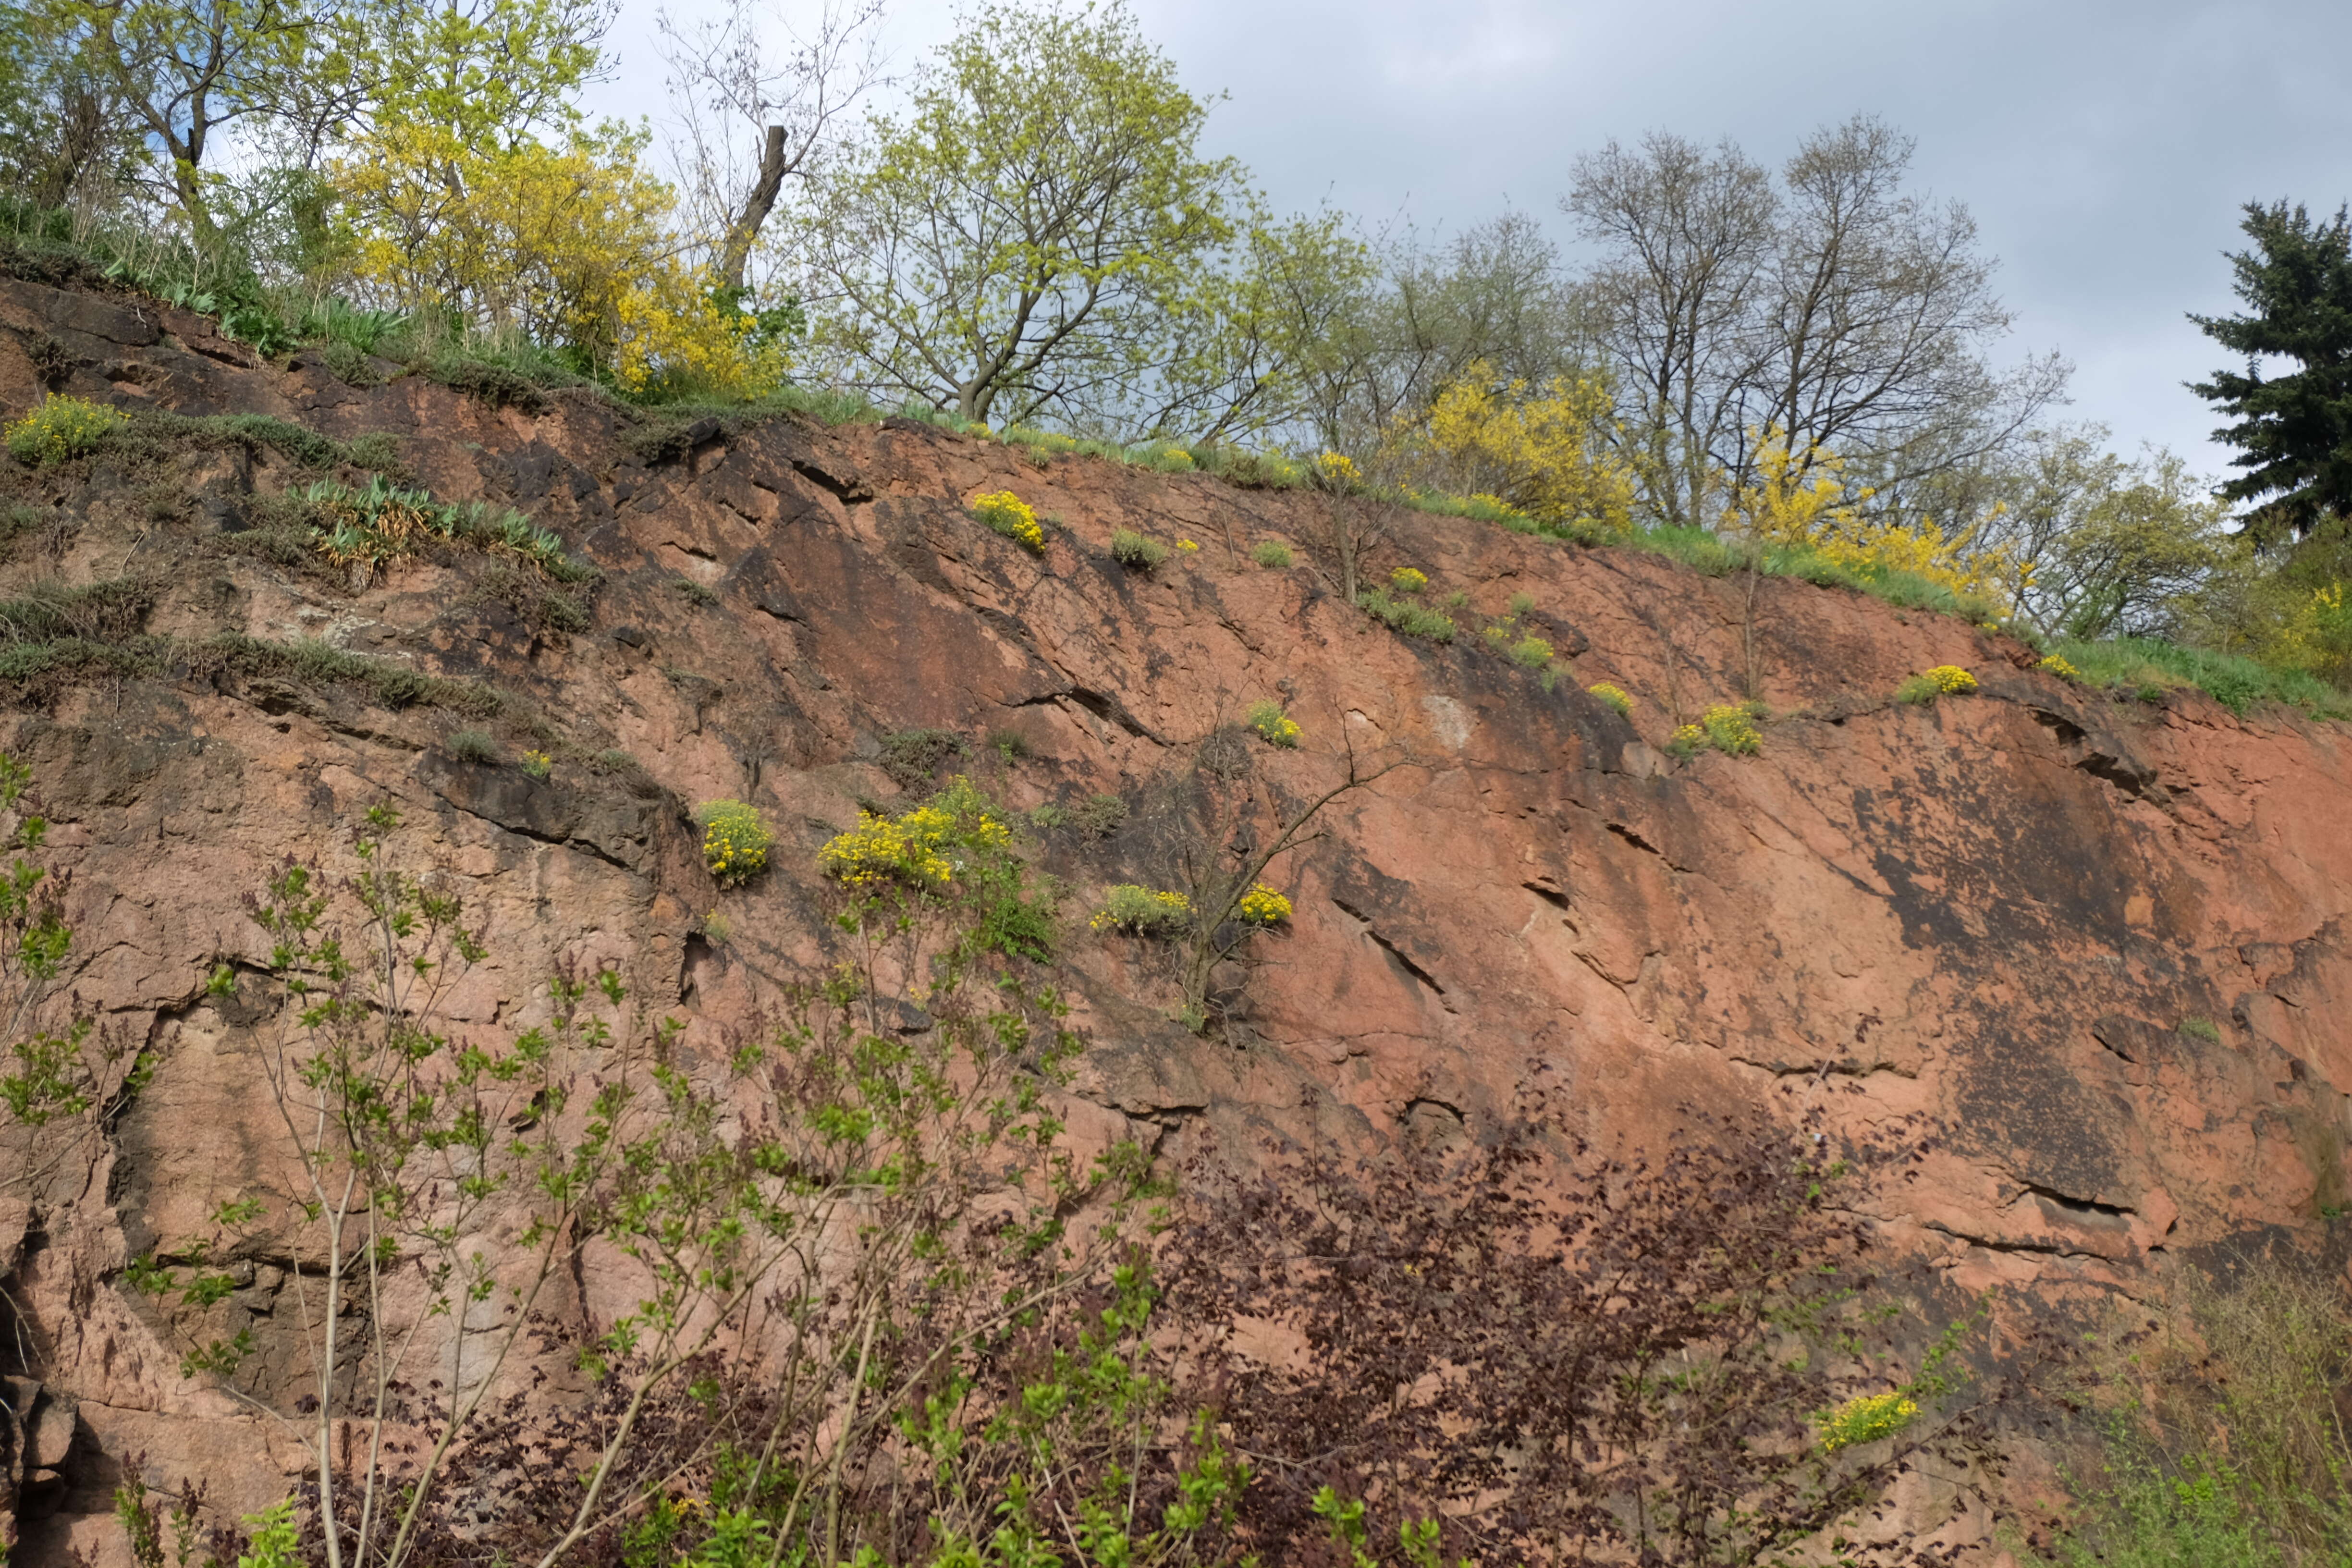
2100	944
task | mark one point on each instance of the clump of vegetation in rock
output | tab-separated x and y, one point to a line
473	746
735	840
1100	816
1728	727
1138	911
1271	553
62	428
1275	726
1011	516
912	756
1401	615
1408	580
1613	696
1136	552
1944	681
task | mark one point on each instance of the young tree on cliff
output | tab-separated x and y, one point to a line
1039	236
2293	432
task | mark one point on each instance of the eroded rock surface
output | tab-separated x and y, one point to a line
2100	945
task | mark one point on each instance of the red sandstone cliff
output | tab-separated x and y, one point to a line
1996	912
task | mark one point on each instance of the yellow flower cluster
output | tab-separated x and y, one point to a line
1262	906
61	427
1865	1419
1613	695
1687	738
1186	544
914	849
1012	516
537	764
2061	668
1547	452
1273	727
1732	728
735	840
1142	910
1408	580
1337	468
1952	680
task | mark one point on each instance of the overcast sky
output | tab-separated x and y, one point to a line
2104	148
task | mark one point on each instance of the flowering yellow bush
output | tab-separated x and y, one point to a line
2061	668
537	764
1337	470
1686	739
1275	726
61	427
1613	695
1186	544
735	840
1731	727
1142	912
1944	681
1864	1419
1012	516
1408	580
1802	499
673	329
920	851
1262	906
1546	453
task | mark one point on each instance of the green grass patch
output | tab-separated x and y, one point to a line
1405	617
2149	665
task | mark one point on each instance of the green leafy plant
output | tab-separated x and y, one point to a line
1411	620
1141	911
911	757
473	746
1271	553
1408	580
1135	552
62	428
1100	816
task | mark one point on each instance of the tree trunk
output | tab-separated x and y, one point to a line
737	254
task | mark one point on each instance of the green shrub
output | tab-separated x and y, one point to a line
735	840
1134	552
1010	744
473	746
1411	620
60	429
911	756
1273	726
1728	727
1944	681
693	593
1100	816
1141	911
1272	552
1408	580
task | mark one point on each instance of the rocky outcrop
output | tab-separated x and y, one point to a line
2100	944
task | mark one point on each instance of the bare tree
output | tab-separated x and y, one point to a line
1688	236
1880	311
736	86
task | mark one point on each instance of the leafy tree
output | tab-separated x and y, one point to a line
189	71
1038	237
63	126
2293	432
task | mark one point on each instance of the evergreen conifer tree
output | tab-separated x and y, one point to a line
2294	431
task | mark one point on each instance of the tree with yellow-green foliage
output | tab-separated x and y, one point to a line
1545	451
1038	235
